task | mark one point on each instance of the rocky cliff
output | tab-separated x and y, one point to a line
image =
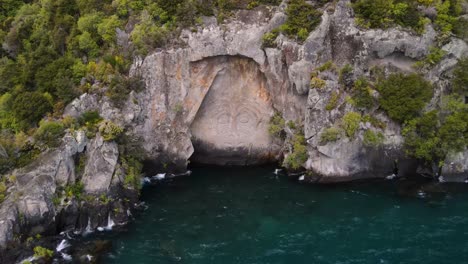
211	99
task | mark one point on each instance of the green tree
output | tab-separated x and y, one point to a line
30	107
404	96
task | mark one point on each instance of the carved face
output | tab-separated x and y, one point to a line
234	114
234	123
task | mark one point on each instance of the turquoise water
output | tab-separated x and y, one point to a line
250	215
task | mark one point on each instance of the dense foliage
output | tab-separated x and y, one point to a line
407	13
404	96
434	135
298	155
302	19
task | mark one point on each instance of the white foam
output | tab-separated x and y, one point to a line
63	245
159	177
110	223
88	229
66	257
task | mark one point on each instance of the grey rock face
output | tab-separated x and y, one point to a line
100	166
32	196
33	192
456	167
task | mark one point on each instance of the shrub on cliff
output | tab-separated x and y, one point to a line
302	19
385	13
362	94
43	253
133	169
350	123
276	126
404	96
50	133
331	134
373	139
296	159
435	134
90	121
3	190
333	101
270	38
109	130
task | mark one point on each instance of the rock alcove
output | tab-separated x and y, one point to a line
231	125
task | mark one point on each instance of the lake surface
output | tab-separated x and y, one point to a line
250	215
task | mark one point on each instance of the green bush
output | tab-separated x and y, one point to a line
421	140
133	169
43	253
333	101
433	136
346	75
90	117
350	123
459	28
404	96
317	83
373	139
302	19
3	190
75	190
270	38
110	131
331	134
296	159
50	133
362	94
386	13
90	121
120	87
30	107
291	124
374	121
327	66
434	57
276	126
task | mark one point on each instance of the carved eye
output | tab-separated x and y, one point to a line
243	118
223	119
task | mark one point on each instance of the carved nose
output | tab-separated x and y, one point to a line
233	132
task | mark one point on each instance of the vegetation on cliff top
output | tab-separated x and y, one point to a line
409	14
